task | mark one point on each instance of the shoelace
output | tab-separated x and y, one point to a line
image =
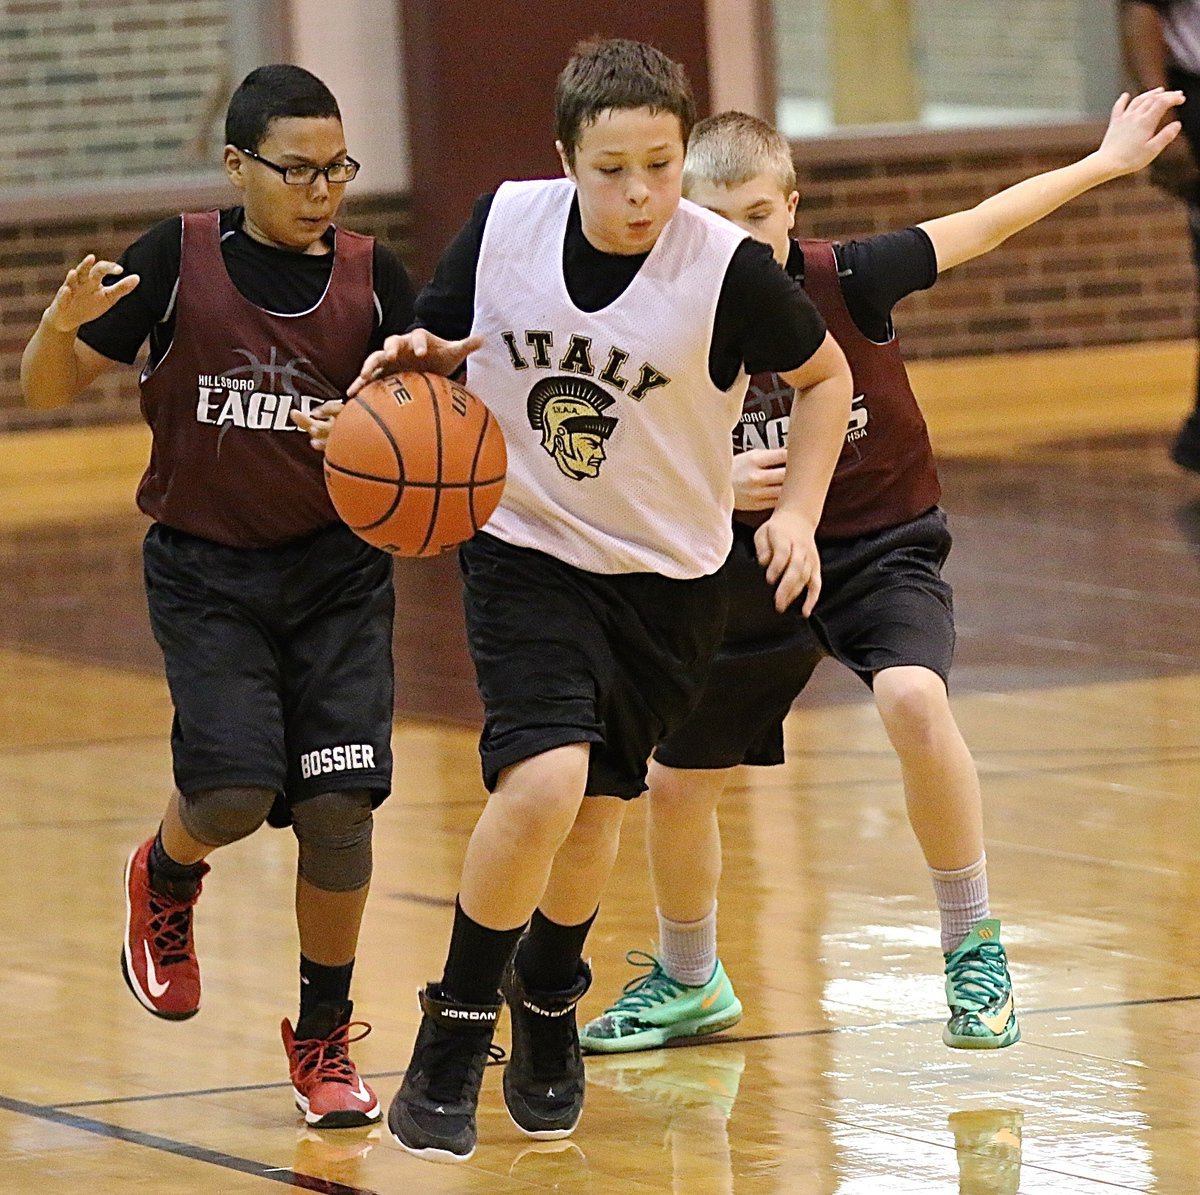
978	977
645	991
171	928
454	1063
327	1059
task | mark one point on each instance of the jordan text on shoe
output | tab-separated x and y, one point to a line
433	1113
654	1008
544	1080
158	955
325	1082
983	1015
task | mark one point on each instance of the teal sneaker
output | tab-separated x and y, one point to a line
654	1008
979	992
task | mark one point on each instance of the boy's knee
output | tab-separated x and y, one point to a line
912	701
219	816
334	832
541	797
686	792
599	821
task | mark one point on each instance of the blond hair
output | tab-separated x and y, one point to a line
733	147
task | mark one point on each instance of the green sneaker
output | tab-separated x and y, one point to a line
654	1008
979	992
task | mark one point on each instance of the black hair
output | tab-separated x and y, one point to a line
268	93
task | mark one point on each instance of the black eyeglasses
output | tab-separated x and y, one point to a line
305	176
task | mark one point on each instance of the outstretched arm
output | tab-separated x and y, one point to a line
56	364
1132	140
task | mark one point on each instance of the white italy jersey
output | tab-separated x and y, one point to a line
619	444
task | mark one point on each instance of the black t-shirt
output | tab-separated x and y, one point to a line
276	280
763	321
876	273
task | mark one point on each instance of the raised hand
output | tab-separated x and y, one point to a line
1133	138
83	296
418	349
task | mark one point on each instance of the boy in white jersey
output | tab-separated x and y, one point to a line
612	330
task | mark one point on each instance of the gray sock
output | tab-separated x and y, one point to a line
688	949
962	900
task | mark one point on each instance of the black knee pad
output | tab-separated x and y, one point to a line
219	816
334	831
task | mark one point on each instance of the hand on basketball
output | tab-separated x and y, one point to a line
84	297
787	549
318	422
1133	138
758	478
419	350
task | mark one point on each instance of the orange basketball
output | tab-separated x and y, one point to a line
415	464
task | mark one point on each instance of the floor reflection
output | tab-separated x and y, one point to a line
552	1166
337	1155
694	1088
987	1142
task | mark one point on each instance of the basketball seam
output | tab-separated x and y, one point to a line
399	483
487	416
437	493
479	483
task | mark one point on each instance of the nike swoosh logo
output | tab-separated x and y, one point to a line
997	1022
709	1001
156	988
363	1094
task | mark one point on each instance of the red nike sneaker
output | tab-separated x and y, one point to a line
325	1083
158	958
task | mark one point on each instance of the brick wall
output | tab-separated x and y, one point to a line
96	88
1113	266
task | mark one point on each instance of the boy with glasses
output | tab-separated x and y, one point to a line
275	621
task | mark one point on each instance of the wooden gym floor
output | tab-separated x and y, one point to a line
1078	686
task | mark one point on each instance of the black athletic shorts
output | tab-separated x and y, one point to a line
883	604
279	662
567	656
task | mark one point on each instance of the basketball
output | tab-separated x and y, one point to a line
415	464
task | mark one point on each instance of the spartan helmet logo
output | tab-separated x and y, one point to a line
567	411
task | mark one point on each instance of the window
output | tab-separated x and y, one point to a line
93	91
848	64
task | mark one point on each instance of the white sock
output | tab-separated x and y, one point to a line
688	949
962	900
